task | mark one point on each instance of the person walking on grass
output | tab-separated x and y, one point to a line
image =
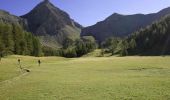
0	56
19	63
39	62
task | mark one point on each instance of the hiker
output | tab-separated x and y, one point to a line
39	62
0	56
19	63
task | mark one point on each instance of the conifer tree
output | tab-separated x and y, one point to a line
36	47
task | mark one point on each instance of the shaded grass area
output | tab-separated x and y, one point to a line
89	78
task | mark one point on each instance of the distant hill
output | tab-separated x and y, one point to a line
52	24
122	25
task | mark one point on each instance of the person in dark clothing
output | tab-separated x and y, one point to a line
1	56
19	63
39	62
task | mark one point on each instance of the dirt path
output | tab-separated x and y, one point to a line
14	78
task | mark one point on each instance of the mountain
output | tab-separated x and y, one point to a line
121	25
51	24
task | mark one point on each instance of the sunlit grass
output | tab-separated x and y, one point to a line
87	78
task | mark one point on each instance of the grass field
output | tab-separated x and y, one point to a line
87	78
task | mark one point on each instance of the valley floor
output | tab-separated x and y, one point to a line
86	78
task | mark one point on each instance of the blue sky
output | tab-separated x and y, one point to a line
88	12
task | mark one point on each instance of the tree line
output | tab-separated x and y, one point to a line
115	46
73	48
14	40
152	40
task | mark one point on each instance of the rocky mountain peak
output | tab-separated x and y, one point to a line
46	1
48	17
47	20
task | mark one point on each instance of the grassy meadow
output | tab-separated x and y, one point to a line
86	78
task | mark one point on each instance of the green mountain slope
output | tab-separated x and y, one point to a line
152	40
